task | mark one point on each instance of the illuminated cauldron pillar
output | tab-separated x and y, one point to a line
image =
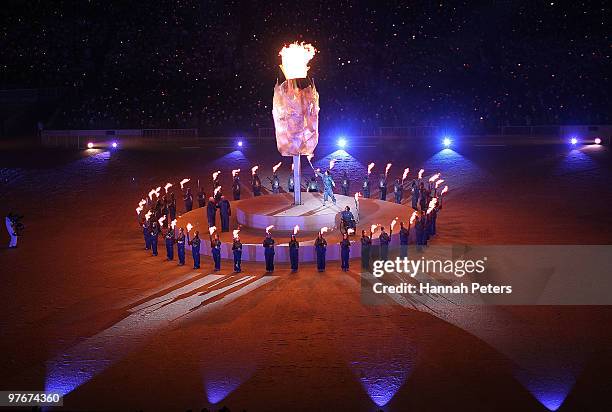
296	110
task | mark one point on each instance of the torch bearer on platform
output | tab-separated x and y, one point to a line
295	110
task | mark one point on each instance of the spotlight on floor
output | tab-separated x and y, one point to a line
240	143
597	140
574	141
447	141
114	144
342	143
90	145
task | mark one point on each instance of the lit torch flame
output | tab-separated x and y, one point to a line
332	163
215	174
168	186
324	229
161	220
296	229
295	59
254	170
387	169
138	210
421	173
406	171
309	158
142	202
370	167
444	190
373	228
235	233
235	172
173	224
157	191
350	231
189	227
439	182
275	167
269	228
393	223
212	229
217	190
413	217
148	215
432	204
151	193
182	182
434	177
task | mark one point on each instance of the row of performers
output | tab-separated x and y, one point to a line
424	226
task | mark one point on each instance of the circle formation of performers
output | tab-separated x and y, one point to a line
161	218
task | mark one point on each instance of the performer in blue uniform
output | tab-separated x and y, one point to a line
348	220
365	187
180	247
146	230
290	184
398	190
236	187
345	185
366	243
225	212
321	249
404	235
201	198
294	247
384	239
268	245
256	183
154	233
423	198
382	186
215	247
419	228
237	251
195	249
328	186
169	244
211	212
345	251
275	184
415	195
188	198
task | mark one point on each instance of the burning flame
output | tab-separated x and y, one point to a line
444	190
148	215
161	220
332	163
182	182
235	172
275	167
432	204
413	217
168	186
296	229
421	173
254	170
350	231
393	223
269	228
309	158
439	182
370	167
173	224
235	233
373	228
217	190
324	229
212	229
292	167
215	174
151	193
157	191
189	227
295	59
406	171
138	210
387	168
142	202
434	177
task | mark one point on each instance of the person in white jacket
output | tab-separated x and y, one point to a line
12	231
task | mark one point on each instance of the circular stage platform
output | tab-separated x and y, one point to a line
252	215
